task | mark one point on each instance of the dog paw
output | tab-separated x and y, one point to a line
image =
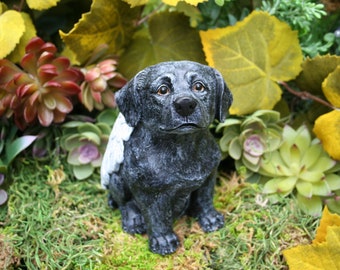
132	221
164	244
211	221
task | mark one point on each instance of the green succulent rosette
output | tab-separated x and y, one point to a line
247	138
85	144
300	164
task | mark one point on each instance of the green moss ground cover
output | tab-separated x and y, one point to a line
54	222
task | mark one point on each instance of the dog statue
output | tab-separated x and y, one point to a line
161	160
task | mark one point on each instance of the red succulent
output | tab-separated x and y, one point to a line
97	88
42	89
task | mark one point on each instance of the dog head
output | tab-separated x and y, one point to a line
175	97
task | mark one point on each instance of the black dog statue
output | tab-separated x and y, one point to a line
161	160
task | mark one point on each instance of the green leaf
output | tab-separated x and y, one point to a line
108	22
17	146
168	38
108	116
12	27
315	71
83	171
41	5
253	56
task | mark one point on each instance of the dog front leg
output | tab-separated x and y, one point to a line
158	216
201	206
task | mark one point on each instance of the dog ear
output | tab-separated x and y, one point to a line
128	99
223	98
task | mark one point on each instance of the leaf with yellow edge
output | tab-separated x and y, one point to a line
331	87
253	56
12	27
29	33
315	71
325	250
175	2
327	129
41	5
328	219
108	22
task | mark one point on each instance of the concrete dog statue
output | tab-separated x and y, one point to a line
161	160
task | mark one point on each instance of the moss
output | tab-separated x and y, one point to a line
54	222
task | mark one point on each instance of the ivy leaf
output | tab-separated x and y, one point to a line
12	27
169	37
323	253
29	33
252	56
315	71
108	22
327	129
41	5
175	2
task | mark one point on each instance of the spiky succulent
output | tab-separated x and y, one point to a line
100	80
85	144
300	164
246	139
42	89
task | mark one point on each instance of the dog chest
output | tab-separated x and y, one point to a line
164	164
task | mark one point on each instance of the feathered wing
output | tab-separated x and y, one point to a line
114	154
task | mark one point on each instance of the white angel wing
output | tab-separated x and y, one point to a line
114	153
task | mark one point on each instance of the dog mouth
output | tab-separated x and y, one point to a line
186	127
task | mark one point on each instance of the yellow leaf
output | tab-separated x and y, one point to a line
324	253
323	256
252	56
331	87
191	2
328	219
108	22
12	28
29	33
41	5
327	129
135	3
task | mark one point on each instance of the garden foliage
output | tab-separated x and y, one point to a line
64	69
325	250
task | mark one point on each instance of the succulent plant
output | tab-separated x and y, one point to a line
300	164
42	89
85	144
100	80
247	138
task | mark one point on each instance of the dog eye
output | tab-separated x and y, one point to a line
163	90
198	86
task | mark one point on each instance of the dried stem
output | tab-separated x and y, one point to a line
307	95
142	20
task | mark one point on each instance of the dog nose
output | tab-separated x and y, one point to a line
185	106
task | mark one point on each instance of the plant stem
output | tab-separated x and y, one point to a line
142	20
307	95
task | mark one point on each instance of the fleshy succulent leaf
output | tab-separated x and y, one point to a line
312	206
82	172
235	148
